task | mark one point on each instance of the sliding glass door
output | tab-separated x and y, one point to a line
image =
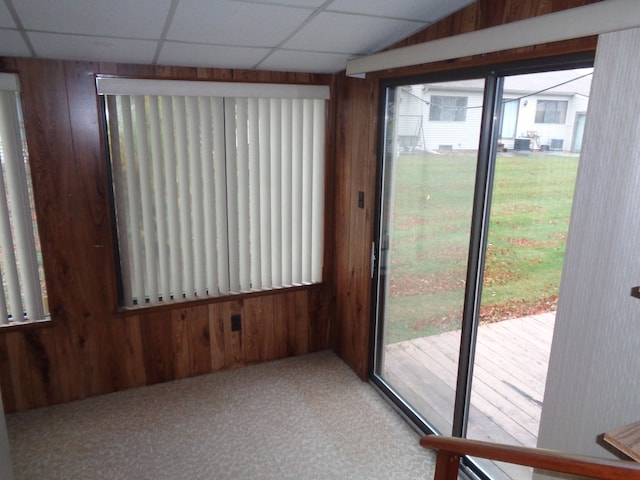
476	183
430	162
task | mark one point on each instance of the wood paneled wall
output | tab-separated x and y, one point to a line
356	166
89	348
356	156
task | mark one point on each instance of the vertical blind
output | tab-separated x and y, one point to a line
215	195
22	296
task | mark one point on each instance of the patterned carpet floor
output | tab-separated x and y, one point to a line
307	417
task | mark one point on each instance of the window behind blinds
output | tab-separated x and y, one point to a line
216	195
23	295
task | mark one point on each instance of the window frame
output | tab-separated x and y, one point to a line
437	109
120	85
544	112
574	60
26	259
501	118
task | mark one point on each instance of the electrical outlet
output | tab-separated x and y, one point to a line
236	323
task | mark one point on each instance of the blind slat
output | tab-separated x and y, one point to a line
296	193
317	204
10	267
254	193
192	105
275	127
132	203
265	192
232	197
159	174
117	170
145	184
209	190
184	196
220	160
307	189
242	165
171	210
4	320
286	195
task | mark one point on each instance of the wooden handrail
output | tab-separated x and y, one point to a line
451	449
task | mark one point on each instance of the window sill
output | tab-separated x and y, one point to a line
29	325
237	297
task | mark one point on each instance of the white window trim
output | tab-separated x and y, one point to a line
194	88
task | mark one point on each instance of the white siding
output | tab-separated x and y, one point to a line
460	135
548	131
413	119
412	111
415	130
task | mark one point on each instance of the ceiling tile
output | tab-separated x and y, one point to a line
293	3
6	21
311	62
103	49
348	33
12	44
234	23
421	10
116	18
223	33
198	55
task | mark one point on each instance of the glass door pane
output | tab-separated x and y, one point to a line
452	216
533	187
431	142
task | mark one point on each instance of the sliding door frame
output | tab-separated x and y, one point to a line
494	80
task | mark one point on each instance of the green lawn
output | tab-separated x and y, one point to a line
430	238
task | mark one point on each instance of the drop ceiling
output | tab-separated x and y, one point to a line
316	36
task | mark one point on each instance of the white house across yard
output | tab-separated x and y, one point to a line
539	112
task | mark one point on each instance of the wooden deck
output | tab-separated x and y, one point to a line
509	379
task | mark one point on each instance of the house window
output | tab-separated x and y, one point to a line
551	111
448	109
218	187
508	118
23	293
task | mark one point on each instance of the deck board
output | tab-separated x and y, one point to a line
512	357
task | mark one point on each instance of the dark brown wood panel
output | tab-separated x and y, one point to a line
198	333
257	330
90	348
285	317
216	336
321	304
301	325
120	361
6	377
233	342
157	343
489	13
355	147
341	239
